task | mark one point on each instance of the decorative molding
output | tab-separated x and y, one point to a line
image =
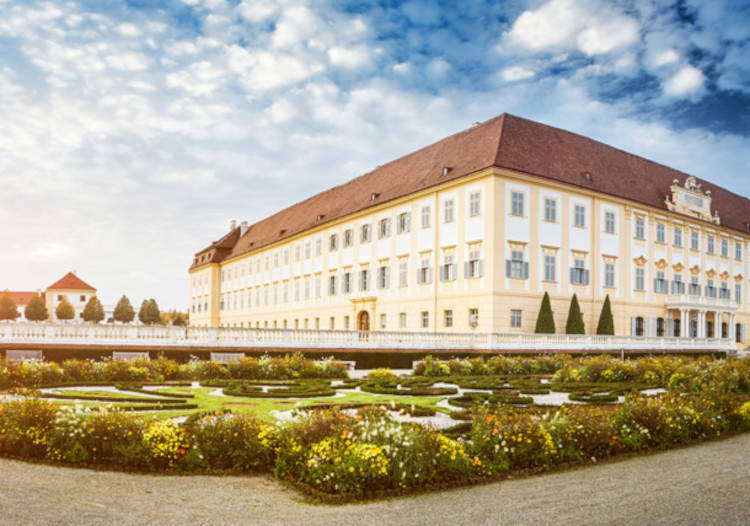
640	261
738	278
661	264
695	270
724	275
678	267
691	200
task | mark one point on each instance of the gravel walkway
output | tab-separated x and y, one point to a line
705	484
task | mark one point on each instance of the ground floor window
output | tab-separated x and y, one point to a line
515	318
639	326
402	320
473	318
425	319
448	318
383	320
660	327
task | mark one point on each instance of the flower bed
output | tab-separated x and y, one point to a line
337	456
299	389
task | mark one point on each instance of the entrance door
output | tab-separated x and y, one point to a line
363	321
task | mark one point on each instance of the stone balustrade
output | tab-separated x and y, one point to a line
214	337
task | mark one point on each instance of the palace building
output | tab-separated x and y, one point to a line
468	233
70	286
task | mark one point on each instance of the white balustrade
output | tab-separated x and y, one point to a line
207	337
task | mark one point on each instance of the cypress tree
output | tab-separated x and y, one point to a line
93	311
36	310
575	318
124	311
606	321
64	310
545	321
8	309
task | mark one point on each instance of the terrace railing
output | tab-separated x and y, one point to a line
216	337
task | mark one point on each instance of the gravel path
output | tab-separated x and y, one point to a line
705	484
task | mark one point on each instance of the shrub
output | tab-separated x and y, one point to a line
381	374
166	443
25	427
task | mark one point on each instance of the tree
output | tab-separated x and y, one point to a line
124	311
179	321
149	312
174	317
606	321
575	318
64	310
8	309
93	311
545	321
35	309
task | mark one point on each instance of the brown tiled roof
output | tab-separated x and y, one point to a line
505	142
21	298
70	281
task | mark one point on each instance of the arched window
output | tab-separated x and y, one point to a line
660	327
639	326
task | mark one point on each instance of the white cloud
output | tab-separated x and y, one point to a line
669	56
686	81
257	10
52	252
515	73
353	58
128	61
591	27
128	30
297	24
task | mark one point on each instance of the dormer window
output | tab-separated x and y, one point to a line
374	196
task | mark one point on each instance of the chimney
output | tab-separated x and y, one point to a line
243	228
232	224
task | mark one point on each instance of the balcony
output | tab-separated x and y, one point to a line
690	301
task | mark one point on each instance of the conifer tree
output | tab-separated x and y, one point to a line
545	321
93	311
575	318
124	311
36	310
64	310
8	309
606	321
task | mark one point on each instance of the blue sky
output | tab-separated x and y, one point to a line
132	131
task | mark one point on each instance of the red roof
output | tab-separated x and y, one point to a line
504	142
70	281
21	298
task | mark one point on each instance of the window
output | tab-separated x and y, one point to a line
448	212
60	296
724	291
473	318
308	249
473	267
579	274
640	279
426	217
640	228
331	323
364	279
677	237
738	293
516	267
404	223
425	315
638	326
365	233
609	222
695	288
711	245
724	248
609	275
83	298
333	244
346	323
348	237
286	256
550	210
549	267
738	251
331	285
448	268
402	320
695	240
660	327
517	204
298	252
580	216
424	272
474	204
318	287
384	228
296	292
383	320
710	289
515	318
384	277
346	283
678	286
660	283
448	318
403	273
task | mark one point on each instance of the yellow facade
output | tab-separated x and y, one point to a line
286	285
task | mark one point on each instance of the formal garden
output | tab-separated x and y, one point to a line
340	435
